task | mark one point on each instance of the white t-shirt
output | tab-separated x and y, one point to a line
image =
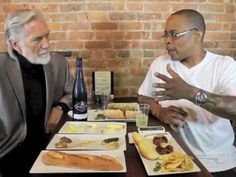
210	137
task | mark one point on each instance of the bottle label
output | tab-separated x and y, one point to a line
80	116
81	106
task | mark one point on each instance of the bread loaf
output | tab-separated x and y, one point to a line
82	161
130	114
123	106
114	114
145	146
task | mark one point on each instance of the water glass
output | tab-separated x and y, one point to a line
141	115
91	100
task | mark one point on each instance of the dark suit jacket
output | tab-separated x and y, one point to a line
59	84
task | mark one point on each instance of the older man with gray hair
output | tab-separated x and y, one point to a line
33	84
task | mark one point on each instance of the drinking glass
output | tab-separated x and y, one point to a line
141	115
91	100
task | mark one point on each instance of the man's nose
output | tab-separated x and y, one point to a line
45	42
167	39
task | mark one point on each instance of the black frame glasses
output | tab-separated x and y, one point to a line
175	35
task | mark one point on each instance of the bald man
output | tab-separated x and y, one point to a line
209	135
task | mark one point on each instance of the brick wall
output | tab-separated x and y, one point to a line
123	35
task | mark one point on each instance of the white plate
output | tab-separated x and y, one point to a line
92	114
84	127
40	167
86	142
150	164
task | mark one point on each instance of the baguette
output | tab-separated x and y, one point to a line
130	114
145	146
123	106
82	161
114	114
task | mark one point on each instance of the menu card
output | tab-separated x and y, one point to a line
103	82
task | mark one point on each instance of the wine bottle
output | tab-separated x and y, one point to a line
79	93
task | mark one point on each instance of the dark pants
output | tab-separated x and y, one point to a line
20	160
228	173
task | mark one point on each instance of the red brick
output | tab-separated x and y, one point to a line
55	26
147	25
226	44
130	25
3	47
217	36
216	1
124	92
229	8
211	8
118	6
209	17
22	1
97	54
105	6
8	8
104	26
46	8
157	35
176	7
197	1
2	37
2	18
99	6
97	16
75	26
117	16
71	7
109	53
104	35
134	6
149	16
96	64
60	36
214	26
132	35
97	45
209	44
152	44
68	45
225	18
55	1
131	40
126	44
79	35
63	18
114	63
145	35
157	7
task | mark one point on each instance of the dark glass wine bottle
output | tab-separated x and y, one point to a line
79	93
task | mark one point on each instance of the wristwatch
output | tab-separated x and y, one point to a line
59	107
200	97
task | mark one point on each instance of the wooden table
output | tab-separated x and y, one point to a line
134	164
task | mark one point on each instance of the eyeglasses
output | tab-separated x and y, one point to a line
175	35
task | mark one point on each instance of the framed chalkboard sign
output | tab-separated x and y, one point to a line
102	82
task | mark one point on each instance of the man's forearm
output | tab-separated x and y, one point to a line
223	106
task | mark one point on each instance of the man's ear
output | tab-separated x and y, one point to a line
16	46
199	35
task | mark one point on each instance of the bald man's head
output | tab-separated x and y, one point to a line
195	19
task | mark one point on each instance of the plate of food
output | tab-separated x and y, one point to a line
87	142
84	127
161	155
124	112
79	162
